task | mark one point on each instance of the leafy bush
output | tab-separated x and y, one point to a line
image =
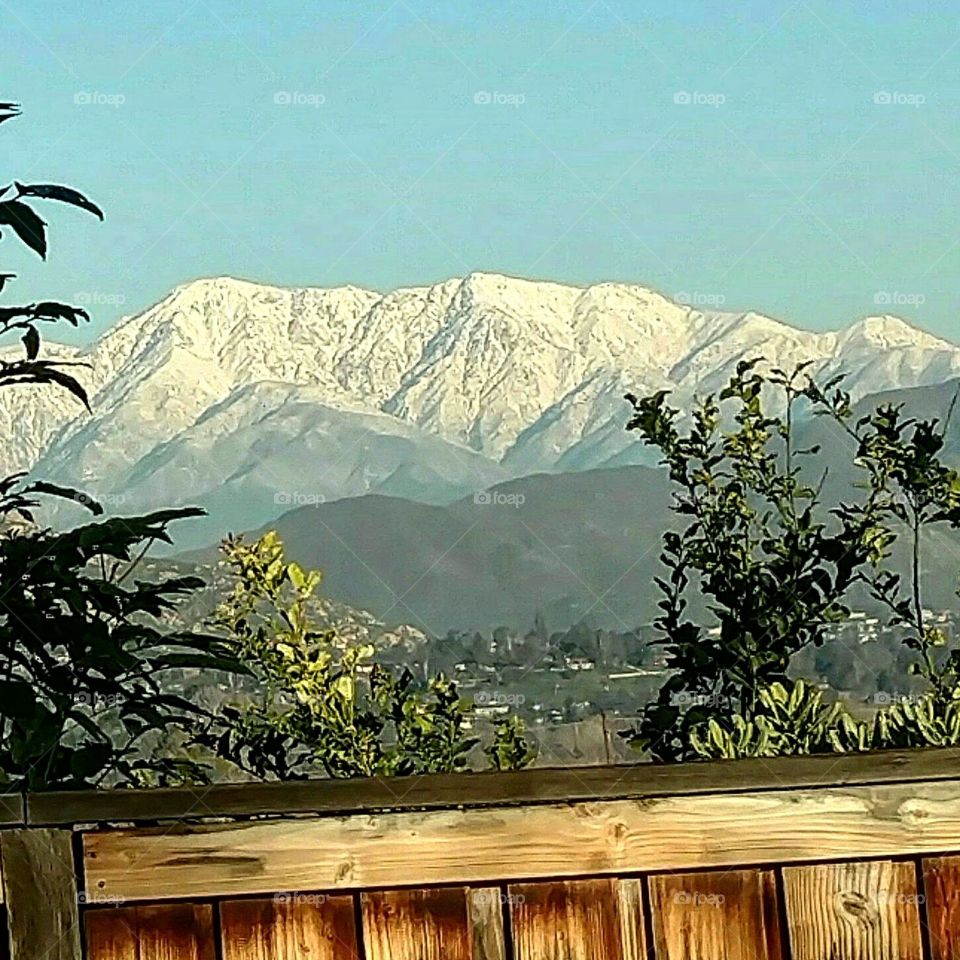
327	704
17	215
83	656
777	567
773	563
789	718
83	649
911	491
509	748
794	718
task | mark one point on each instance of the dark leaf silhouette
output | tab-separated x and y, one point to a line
53	375
31	340
53	191
66	493
43	371
27	225
51	310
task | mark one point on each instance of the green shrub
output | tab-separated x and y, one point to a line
772	562
327	703
776	566
83	649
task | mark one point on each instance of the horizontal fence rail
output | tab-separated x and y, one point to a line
810	858
540	785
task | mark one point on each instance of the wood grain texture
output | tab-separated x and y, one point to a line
540	785
941	889
289	927
853	911
632	933
723	915
173	931
485	915
43	913
574	920
417	925
467	846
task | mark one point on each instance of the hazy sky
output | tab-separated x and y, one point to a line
801	159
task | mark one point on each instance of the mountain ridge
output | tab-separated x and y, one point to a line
503	376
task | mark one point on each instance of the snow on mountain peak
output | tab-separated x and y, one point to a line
528	373
888	332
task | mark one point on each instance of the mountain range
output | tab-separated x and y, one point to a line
356	407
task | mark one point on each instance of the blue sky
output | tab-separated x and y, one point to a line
800	159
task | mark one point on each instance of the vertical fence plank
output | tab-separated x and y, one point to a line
485	913
289	926
111	934
853	911
43	912
724	915
576	920
172	931
630	906
417	925
941	889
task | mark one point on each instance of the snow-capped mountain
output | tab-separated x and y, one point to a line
270	447
234	394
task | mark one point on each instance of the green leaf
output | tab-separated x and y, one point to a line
296	575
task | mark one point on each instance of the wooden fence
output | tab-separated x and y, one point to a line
807	858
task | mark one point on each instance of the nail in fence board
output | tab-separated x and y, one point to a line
289	926
43	914
577	920
417	925
172	931
941	889
853	911
723	915
467	847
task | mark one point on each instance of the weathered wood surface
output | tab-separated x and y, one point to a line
633	935
941	891
723	915
853	911
173	931
574	920
40	890
541	785
289	927
417	925
468	847
485	915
